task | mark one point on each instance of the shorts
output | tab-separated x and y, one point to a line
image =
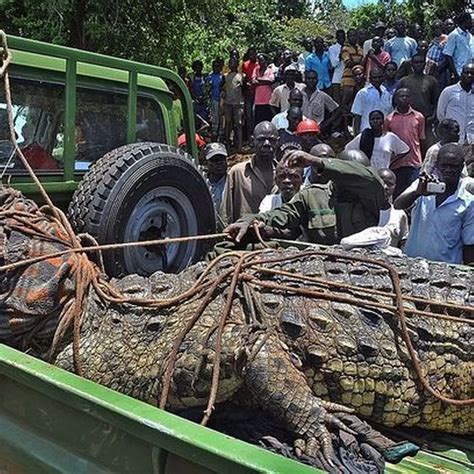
234	113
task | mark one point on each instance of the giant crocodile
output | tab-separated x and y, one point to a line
321	335
294	355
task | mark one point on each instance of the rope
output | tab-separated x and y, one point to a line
87	274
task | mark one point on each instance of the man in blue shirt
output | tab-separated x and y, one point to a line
442	226
458	47
214	83
401	48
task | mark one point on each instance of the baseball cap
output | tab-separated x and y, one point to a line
214	149
379	24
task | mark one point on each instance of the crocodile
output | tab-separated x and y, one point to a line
300	357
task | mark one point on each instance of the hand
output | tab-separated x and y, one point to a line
301	159
423	183
238	230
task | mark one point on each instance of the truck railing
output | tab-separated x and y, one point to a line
73	56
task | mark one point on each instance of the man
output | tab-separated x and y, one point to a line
316	208
320	62
374	96
442	226
391	82
362	37
378	31
416	32
458	46
308	46
233	104
317	102
308	132
409	125
424	93
448	132
288	182
351	55
402	47
448	26
248	68
216	155
250	181
457	102
280	95
323	151
395	220
288	136
214	90
262	79
376	58
337	64
197	81
435	54
295	99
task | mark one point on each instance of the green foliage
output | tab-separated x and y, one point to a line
419	11
175	32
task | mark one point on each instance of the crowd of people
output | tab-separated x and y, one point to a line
401	102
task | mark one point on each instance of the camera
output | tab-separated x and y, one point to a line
435	187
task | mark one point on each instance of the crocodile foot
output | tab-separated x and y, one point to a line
337	442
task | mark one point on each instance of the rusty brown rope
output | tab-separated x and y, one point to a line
400	311
87	274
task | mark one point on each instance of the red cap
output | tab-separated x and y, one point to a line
199	140
307	126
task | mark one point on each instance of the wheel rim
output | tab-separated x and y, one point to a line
161	212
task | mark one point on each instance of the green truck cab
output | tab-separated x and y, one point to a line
101	134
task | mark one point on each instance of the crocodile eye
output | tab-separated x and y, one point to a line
155	325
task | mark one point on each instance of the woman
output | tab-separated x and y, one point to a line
381	147
320	62
262	79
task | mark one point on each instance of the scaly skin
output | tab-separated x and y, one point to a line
311	352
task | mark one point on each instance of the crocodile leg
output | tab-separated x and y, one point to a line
280	388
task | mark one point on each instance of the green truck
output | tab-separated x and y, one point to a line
101	134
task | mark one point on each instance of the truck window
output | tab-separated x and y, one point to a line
38	114
101	124
150	125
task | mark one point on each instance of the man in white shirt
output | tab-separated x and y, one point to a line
457	102
280	95
295	99
337	64
395	220
374	96
458	47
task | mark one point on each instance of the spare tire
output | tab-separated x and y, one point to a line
144	191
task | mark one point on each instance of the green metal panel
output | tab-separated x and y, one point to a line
132	107
41	61
70	120
54	421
